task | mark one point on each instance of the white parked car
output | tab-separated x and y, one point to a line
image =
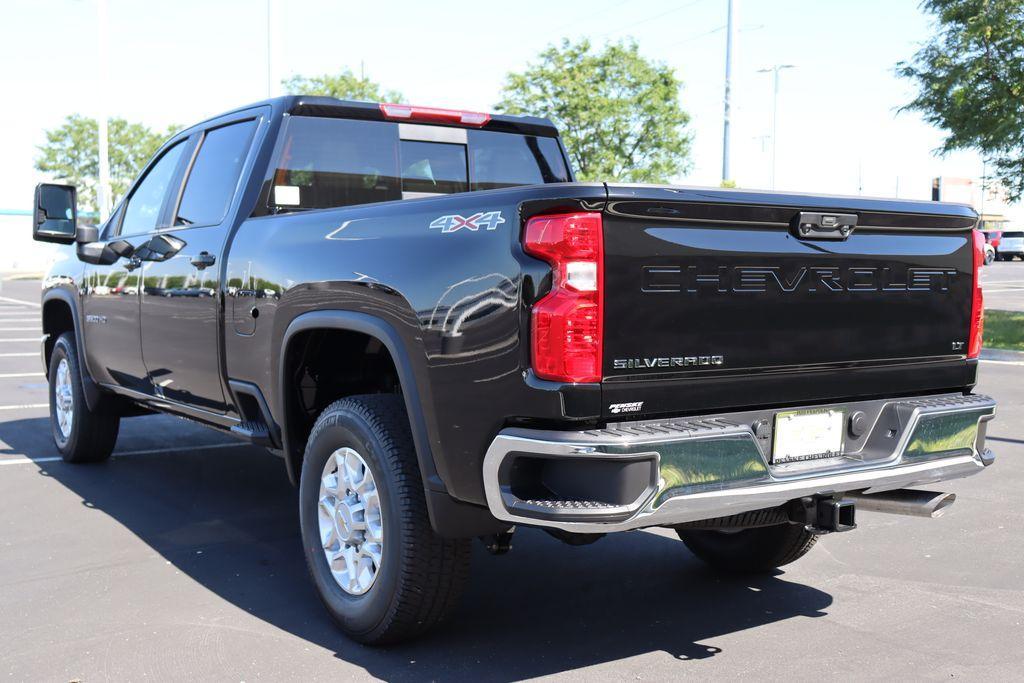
1012	244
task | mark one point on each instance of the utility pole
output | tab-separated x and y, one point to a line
730	38
774	71
103	198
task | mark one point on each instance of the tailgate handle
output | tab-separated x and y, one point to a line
813	225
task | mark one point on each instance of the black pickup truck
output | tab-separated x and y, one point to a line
445	337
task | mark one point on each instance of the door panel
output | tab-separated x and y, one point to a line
180	331
110	305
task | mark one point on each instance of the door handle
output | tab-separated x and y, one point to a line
203	259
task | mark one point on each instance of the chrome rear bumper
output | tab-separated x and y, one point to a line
666	472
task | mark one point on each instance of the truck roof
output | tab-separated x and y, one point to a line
316	105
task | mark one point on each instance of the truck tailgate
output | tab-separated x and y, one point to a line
705	285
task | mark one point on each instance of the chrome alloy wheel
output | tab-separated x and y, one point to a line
351	523
63	398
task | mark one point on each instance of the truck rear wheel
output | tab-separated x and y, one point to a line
749	551
81	435
379	568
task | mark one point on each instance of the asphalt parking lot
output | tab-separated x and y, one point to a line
1004	285
180	559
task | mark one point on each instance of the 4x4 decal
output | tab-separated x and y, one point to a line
454	222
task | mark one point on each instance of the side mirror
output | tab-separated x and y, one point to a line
55	214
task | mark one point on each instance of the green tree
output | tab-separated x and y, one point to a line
345	86
619	114
71	154
970	82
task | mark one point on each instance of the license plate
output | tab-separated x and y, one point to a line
808	435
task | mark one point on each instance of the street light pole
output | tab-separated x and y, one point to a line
774	71
730	37
103	198
273	47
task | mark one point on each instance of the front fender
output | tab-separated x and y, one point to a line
63	295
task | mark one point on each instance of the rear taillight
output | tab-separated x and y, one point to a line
567	324
406	112
977	301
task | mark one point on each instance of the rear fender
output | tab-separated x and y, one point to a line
448	516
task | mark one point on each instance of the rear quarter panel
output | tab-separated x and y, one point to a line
455	298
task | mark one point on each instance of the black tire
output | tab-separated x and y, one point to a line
421	575
93	433
750	551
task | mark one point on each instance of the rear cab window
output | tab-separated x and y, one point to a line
431	168
331	162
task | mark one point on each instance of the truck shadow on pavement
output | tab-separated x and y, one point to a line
227	518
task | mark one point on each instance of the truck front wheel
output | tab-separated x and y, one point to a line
379	568
81	435
746	551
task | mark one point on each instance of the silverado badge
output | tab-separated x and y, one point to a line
666	362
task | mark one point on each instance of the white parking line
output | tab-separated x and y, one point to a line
20	301
11	375
19	355
18	321
151	451
21	339
26	406
1002	362
34	329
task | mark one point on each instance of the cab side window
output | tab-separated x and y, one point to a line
214	176
144	206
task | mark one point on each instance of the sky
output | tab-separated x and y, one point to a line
839	130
